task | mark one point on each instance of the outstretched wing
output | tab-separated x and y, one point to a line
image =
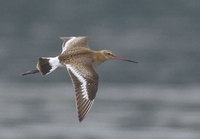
69	42
85	81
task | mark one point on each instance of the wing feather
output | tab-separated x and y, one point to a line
86	86
69	42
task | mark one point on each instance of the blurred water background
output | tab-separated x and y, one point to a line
156	99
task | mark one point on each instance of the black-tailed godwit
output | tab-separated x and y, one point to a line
80	61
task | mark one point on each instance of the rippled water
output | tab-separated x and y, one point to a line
163	36
47	111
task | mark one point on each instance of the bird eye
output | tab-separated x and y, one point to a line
109	53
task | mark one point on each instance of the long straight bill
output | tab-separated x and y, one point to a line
124	59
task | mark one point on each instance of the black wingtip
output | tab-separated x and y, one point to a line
80	120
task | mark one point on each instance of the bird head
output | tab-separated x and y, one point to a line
110	55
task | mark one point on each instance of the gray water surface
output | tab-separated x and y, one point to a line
162	35
47	111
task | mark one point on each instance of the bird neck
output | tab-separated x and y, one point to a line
98	58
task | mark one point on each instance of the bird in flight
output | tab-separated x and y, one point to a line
79	61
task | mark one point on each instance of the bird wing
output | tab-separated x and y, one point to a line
69	42
85	81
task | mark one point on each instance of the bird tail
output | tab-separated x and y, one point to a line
45	66
48	64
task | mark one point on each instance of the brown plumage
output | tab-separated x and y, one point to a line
80	61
